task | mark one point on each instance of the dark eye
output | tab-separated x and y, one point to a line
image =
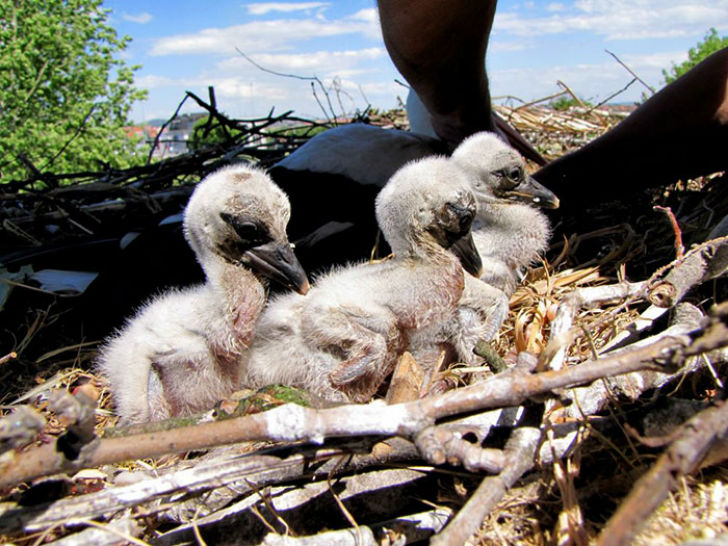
250	232
515	174
509	177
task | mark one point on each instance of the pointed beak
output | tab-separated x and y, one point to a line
534	193
464	249
277	262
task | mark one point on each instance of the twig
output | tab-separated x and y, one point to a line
8	357
162	128
234	471
679	248
681	458
71	139
610	97
519	452
628	69
537	101
312	79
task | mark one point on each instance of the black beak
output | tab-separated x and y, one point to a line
534	193
464	249
277	262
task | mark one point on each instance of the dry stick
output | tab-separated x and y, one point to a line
701	263
73	137
236	473
296	423
161	130
628	69
10	356
520	450
610	97
680	459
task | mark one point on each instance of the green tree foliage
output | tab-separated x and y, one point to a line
710	44
65	96
216	135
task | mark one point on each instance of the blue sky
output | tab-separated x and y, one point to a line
188	45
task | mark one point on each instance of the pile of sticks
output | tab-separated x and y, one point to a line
585	367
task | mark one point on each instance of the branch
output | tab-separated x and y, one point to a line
519	454
235	472
162	128
73	137
682	458
312	79
296	423
628	69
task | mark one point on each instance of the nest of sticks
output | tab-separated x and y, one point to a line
597	419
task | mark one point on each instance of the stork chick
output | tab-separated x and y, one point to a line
343	339
180	353
509	233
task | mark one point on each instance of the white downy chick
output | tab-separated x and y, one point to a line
342	340
509	233
509	230
180	353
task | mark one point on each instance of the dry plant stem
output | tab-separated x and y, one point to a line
562	333
234	475
519	455
679	248
407	529
681	458
120	531
290	423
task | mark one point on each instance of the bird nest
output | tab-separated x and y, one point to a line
551	441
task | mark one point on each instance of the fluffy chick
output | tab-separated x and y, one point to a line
342	340
180	353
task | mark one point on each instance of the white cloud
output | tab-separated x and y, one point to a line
305	64
621	19
141	18
267	7
259	36
152	81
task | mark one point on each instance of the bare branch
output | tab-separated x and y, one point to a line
628	69
295	423
681	459
312	79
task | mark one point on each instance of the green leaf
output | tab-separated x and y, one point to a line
65	93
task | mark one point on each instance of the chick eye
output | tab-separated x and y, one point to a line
509	178
250	232
515	174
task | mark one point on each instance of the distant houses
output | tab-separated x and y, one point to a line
173	138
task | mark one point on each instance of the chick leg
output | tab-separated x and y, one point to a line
365	345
